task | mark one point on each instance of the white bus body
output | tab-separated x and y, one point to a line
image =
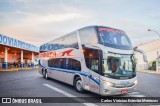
90	61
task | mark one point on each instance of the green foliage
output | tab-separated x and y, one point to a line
154	65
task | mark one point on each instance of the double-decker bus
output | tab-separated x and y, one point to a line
95	58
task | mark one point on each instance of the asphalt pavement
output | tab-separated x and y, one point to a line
31	84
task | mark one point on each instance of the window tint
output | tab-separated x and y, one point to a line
57	63
50	63
88	36
94	64
72	41
63	63
114	38
68	41
124	41
92	59
73	64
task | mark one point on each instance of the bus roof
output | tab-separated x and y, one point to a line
91	26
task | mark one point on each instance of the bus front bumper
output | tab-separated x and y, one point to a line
116	91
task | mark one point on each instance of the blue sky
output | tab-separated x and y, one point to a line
39	21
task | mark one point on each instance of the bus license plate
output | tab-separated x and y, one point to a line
124	91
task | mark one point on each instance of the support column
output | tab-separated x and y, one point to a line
4	65
158	64
22	62
32	64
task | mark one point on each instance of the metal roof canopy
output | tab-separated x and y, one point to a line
150	46
17	51
14	43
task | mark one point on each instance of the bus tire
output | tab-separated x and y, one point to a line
78	85
46	75
43	73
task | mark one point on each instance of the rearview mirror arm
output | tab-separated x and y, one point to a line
142	52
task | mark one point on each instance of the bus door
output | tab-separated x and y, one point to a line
93	62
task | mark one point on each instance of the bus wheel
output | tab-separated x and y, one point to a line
46	74
78	85
43	73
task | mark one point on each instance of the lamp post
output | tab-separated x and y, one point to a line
155	32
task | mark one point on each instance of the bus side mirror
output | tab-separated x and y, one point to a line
142	52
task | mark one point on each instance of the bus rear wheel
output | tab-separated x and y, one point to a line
78	85
43	73
46	74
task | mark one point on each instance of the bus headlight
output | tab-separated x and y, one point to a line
135	82
108	83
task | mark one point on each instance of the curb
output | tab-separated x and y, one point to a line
8	70
18	69
149	72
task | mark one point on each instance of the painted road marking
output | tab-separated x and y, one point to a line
69	95
135	94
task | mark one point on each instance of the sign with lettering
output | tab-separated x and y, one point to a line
5	40
111	30
54	54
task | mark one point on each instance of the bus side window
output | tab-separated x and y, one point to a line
62	63
87	60
78	68
72	41
94	64
50	63
73	64
88	36
56	61
68	64
76	65
93	59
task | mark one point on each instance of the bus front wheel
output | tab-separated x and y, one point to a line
78	85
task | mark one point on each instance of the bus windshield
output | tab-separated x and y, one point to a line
114	38
119	66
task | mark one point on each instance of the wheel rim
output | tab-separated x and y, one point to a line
79	85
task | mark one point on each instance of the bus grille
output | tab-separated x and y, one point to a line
123	86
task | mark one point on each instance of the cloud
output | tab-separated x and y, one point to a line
20	1
37	20
155	15
50	18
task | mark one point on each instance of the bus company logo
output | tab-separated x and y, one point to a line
54	54
111	30
6	100
67	52
48	54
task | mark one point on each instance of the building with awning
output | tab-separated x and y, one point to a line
152	50
16	52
